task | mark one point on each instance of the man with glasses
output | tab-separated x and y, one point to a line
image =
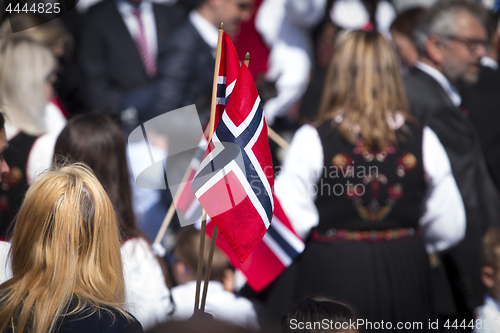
451	40
483	99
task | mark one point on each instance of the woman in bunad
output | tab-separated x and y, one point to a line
370	191
26	77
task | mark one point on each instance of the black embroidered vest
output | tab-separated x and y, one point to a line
362	188
14	183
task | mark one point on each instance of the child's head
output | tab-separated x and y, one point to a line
186	252
490	272
318	315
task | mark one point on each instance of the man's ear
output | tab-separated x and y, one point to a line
434	49
487	276
228	280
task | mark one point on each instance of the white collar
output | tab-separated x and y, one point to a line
126	7
450	90
208	32
489	62
491	302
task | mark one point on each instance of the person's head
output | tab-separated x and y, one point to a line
452	38
314	311
51	33
230	12
490	272
4	167
26	77
98	142
203	324
402	35
185	261
364	88
65	244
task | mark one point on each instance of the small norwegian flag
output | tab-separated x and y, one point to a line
235	179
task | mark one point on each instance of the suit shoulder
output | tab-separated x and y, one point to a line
100	9
184	37
174	11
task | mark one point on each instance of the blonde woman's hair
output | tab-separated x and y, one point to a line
51	33
65	245
25	67
364	89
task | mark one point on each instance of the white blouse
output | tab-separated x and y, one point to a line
443	222
147	296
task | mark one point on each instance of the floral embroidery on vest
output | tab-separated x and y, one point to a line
374	212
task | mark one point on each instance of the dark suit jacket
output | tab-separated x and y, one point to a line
109	60
482	100
185	72
432	106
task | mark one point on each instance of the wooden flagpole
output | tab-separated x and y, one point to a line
210	133
277	138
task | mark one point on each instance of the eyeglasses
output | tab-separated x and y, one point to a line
471	44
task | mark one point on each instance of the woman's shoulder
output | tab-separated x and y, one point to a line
105	319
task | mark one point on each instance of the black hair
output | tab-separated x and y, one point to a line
315	310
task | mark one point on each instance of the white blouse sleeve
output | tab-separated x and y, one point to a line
443	223
5	265
295	185
147	296
40	157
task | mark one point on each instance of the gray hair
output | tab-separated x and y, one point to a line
440	20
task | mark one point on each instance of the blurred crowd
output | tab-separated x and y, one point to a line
408	87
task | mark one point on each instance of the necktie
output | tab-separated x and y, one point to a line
140	39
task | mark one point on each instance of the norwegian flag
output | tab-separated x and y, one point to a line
235	179
280	245
228	72
277	250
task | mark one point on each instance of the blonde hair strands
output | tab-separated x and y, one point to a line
24	69
364	87
65	244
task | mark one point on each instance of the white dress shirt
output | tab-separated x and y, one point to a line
148	21
488	316
223	305
443	223
489	62
208	32
450	90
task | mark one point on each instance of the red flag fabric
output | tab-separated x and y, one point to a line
235	179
